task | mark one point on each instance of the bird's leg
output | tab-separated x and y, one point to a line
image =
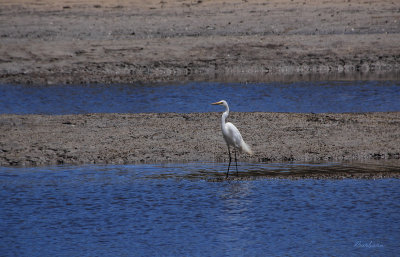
237	172
230	159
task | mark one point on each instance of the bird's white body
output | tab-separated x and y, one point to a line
231	134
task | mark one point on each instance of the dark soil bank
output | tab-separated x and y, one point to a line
48	42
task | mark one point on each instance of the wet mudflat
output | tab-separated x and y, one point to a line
37	140
176	209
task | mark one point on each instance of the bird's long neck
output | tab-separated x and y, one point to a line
224	116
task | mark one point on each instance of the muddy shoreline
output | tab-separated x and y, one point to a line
47	140
37	140
50	42
80	42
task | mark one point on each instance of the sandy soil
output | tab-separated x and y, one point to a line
50	41
168	137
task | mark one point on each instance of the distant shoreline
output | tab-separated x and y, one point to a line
80	42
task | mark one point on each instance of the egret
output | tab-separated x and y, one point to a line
232	136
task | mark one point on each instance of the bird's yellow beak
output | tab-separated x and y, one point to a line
217	103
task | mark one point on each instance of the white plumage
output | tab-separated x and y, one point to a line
233	138
232	135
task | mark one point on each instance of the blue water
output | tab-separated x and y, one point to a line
177	210
305	97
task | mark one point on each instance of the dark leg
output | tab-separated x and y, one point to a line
230	159
237	172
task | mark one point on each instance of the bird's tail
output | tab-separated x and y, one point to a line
246	148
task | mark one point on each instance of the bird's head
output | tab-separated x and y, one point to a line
222	102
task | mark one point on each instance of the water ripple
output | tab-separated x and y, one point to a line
303	97
173	209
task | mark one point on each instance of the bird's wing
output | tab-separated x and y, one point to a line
233	135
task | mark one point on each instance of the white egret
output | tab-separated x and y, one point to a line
232	136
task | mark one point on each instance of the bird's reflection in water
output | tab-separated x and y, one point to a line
236	200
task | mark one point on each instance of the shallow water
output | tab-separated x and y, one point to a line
175	209
306	97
